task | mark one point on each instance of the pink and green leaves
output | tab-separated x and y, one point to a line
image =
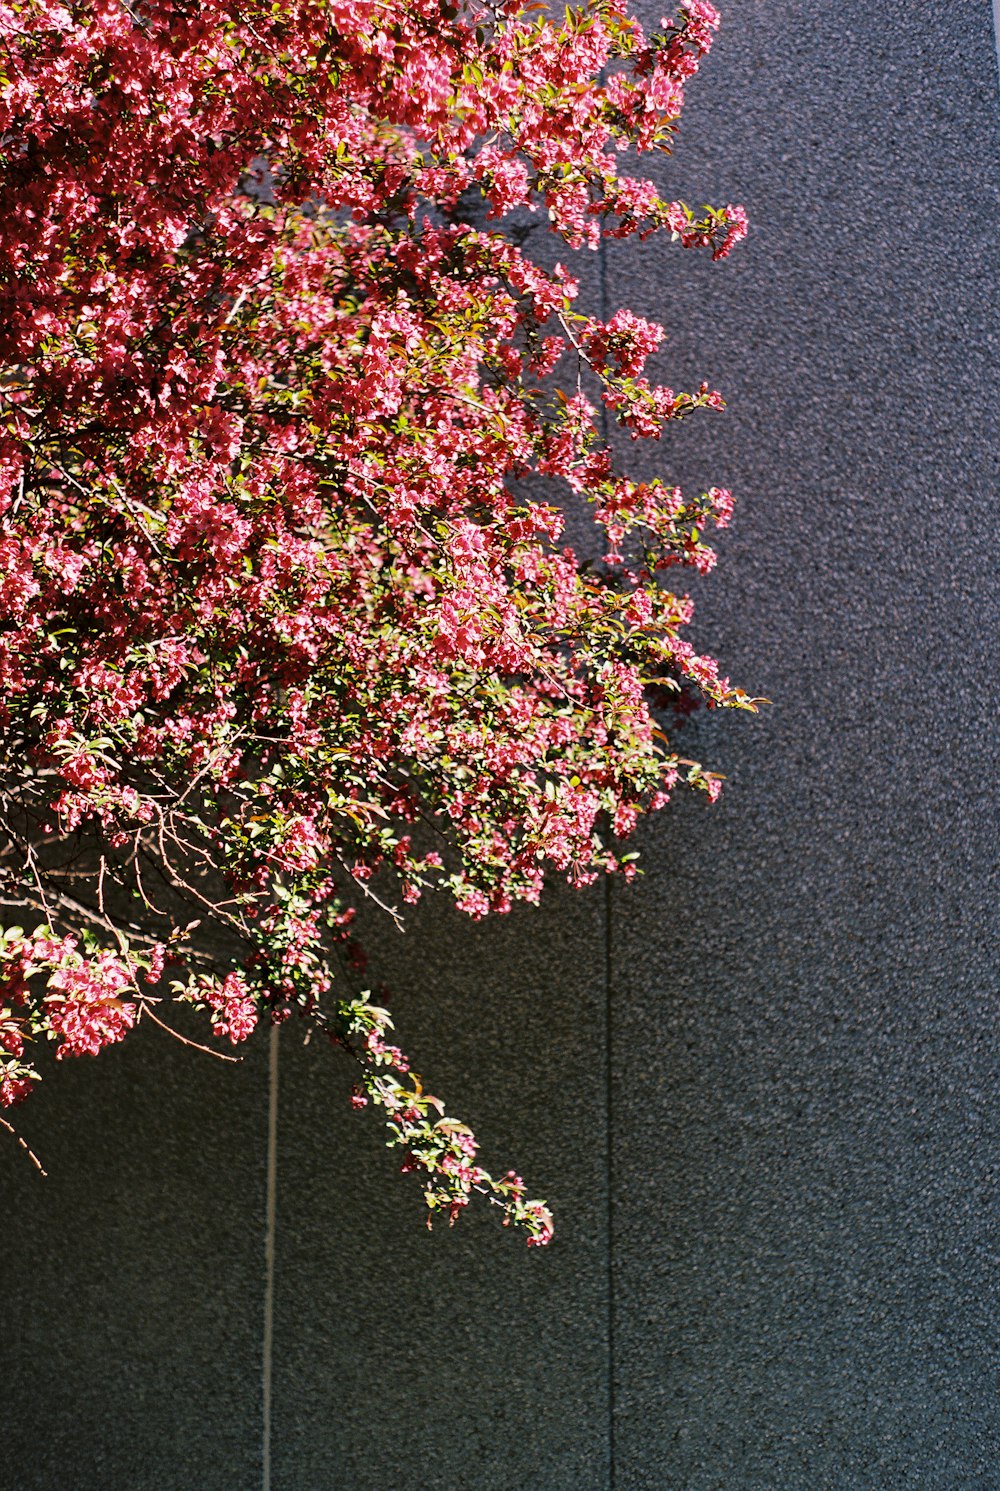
283	627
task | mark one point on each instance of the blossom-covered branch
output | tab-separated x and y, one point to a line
282	625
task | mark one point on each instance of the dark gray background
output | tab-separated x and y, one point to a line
775	1268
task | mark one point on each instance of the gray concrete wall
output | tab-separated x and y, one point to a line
776	1261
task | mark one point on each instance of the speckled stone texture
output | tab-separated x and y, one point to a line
805	983
800	1199
131	1302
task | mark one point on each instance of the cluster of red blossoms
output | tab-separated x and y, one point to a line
283	624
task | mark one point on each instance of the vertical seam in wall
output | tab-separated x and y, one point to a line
609	1122
602	276
271	1212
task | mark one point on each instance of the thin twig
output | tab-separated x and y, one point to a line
29	1152
219	1055
390	910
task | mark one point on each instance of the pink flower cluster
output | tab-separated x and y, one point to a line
83	997
233	1009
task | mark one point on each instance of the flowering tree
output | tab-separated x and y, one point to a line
282	625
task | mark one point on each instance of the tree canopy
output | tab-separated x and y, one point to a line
290	425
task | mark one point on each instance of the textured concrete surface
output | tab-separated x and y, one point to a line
805	1130
130	1327
803	1272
